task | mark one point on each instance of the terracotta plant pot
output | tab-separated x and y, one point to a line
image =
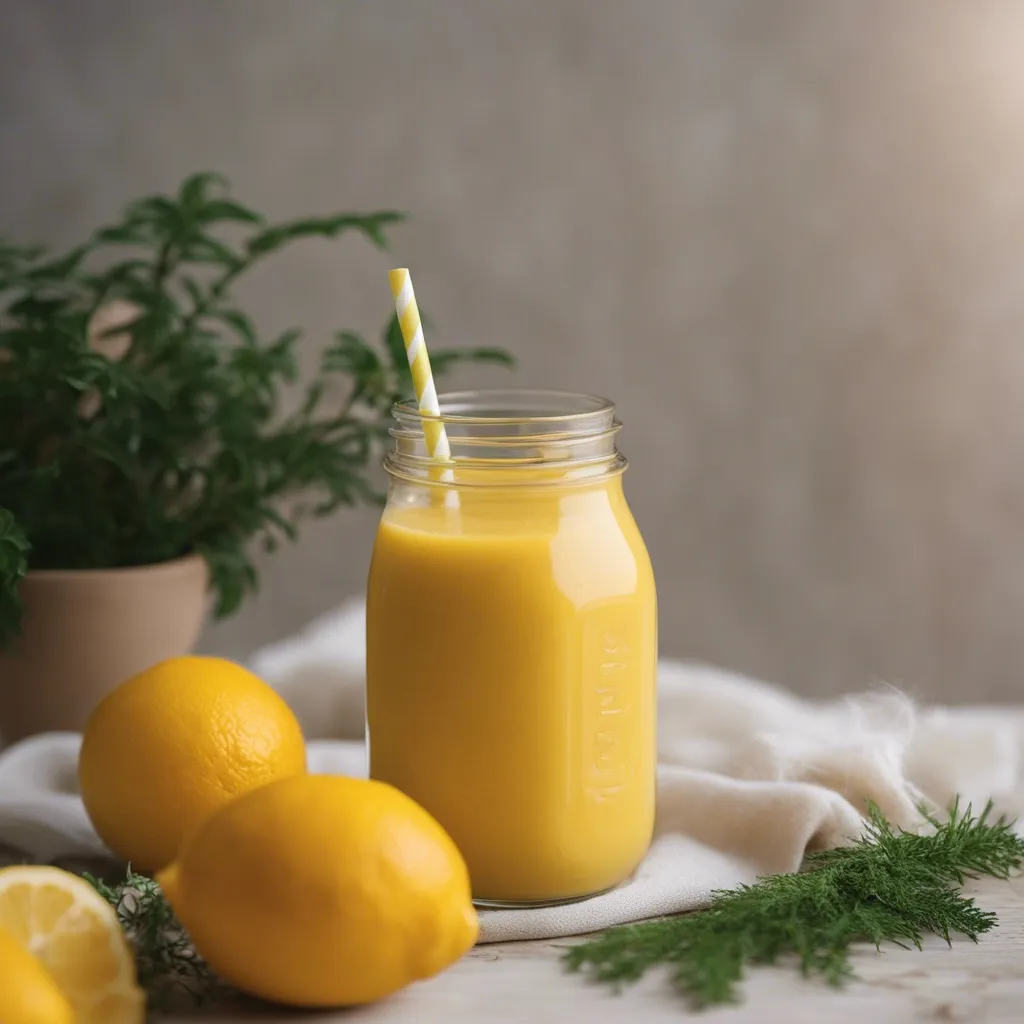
86	631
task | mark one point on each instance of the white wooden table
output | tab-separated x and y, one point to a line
524	983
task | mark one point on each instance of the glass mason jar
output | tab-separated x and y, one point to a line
512	643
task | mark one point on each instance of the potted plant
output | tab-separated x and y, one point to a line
147	440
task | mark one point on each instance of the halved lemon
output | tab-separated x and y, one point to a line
28	995
74	932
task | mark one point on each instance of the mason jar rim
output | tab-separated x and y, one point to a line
513	405
514	430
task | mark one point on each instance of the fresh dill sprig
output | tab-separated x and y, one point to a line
171	972
889	886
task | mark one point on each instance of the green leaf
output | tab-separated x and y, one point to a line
314	395
194	189
284	346
274	518
133	271
12	255
34	307
282	355
195	291
372	225
131	233
351	354
225	210
157	210
232	577
61	267
238	321
14	548
205	249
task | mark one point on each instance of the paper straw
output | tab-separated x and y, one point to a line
419	364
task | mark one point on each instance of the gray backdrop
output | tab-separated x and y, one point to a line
785	235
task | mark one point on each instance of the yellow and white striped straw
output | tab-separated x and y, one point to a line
419	363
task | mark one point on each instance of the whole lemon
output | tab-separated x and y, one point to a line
175	743
323	890
28	994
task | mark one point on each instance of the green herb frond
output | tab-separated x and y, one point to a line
170	971
886	886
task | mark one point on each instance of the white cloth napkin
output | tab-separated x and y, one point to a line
749	779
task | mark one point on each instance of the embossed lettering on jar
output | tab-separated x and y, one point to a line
512	644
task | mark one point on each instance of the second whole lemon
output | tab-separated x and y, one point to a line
323	891
175	743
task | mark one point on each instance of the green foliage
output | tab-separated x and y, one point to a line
171	972
890	886
13	566
164	432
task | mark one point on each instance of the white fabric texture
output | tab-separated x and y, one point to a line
749	779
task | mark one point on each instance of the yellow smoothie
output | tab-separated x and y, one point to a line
511	652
